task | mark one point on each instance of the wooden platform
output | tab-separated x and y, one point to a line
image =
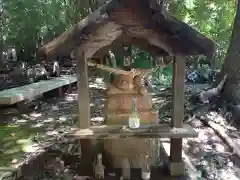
145	131
14	95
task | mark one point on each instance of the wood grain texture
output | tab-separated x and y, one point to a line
178	88
145	131
83	89
178	84
87	149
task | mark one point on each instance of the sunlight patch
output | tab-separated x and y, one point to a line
21	121
23	141
35	114
48	120
70	98
37	125
62	118
31	148
55	108
52	133
97	119
219	147
202	136
157	100
190	4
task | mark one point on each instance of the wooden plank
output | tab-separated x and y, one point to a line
14	95
145	131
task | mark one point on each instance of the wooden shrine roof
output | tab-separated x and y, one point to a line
138	22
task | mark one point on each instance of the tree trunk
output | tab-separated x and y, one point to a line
231	64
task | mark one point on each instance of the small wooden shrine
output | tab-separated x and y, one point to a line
147	25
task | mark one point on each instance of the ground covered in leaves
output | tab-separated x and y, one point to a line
208	156
23	135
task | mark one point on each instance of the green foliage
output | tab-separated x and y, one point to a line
28	21
24	22
141	59
167	71
213	18
163	75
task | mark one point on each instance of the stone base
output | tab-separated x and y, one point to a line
176	168
131	148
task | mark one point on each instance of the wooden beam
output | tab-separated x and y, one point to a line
145	131
178	82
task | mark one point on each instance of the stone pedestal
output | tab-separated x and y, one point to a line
118	107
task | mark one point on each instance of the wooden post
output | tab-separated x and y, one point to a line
83	106
176	165
83	90
60	91
69	88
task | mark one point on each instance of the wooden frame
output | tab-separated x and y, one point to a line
176	131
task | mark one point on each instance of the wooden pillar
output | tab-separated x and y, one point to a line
83	106
83	90
176	165
60	91
69	88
